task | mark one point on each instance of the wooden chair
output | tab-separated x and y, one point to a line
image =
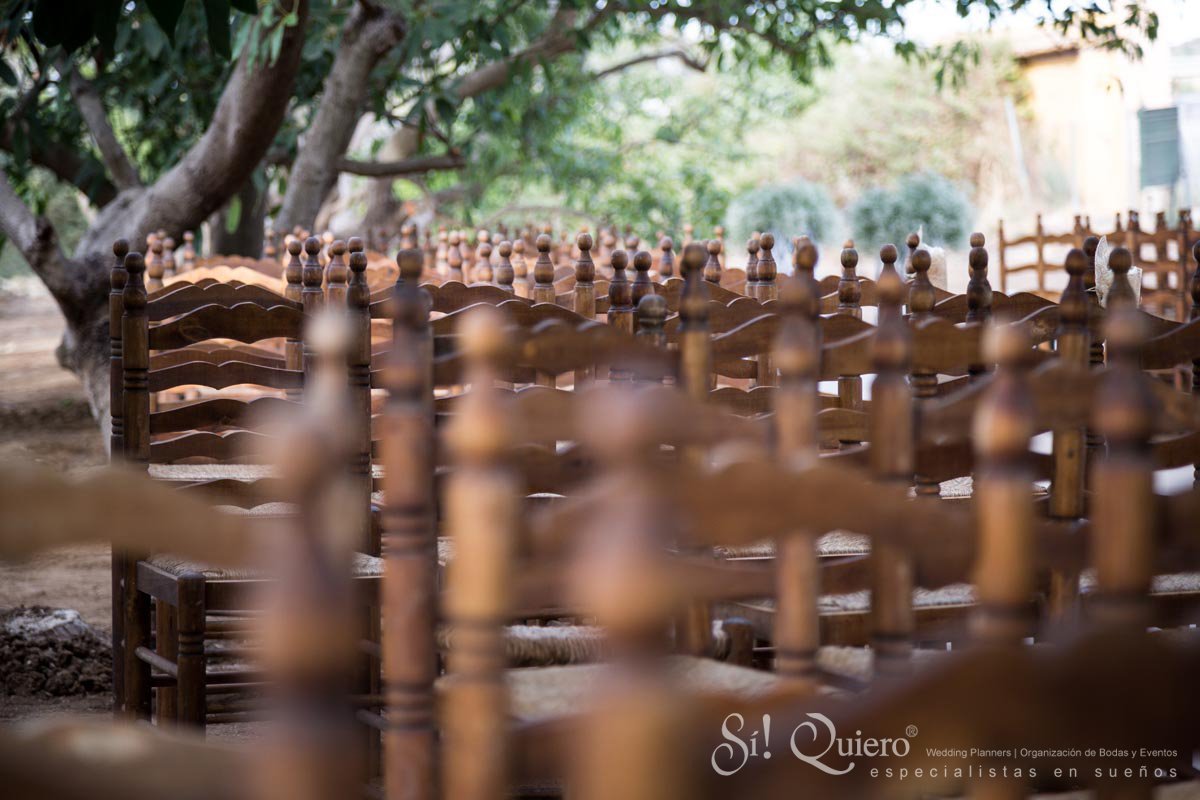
155	357
310	657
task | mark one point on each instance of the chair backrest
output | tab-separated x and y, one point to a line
158	353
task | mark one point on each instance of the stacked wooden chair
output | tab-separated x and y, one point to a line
309	612
911	539
211	447
1161	253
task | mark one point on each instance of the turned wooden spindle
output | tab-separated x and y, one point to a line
503	273
921	295
1195	315
408	544
155	266
133	630
337	275
849	291
1005	567
168	255
695	629
189	251
442	254
1121	293
651	317
358	368
454	258
642	285
482	504
768	270
522	283
666	261
621	576
797	355
310	648
620	307
923	381
483	273
979	290
293	272
804	264
892	426
850	387
116	442
271	249
712	267
752	247
585	279
543	271
911	243
1122	501
695	352
1069	443
469	258
311	296
116	307
887	261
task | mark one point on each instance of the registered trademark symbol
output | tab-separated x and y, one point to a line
910	731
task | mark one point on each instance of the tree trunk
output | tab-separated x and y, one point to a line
367	36
383	210
243	126
246	238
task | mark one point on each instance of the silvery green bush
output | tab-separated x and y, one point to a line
920	200
785	210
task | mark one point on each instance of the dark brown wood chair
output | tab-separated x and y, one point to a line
197	603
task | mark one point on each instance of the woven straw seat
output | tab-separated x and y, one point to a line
1174	583
834	543
857	662
211	472
548	692
364	567
216	472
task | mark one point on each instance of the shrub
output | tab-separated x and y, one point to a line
920	200
785	210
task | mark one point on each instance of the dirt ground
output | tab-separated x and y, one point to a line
44	419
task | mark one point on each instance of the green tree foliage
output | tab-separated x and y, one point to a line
923	200
785	210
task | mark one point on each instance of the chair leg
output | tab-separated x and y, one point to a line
190	700
167	646
135	622
118	632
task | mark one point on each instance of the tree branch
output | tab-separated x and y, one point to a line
368	35
559	37
687	59
405	166
91	108
37	240
248	115
67	163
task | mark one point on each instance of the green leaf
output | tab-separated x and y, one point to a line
276	43
216	13
234	214
155	41
166	13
